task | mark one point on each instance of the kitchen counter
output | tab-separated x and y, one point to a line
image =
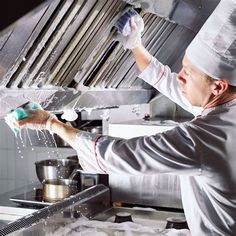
88	210
4	198
88	202
11	211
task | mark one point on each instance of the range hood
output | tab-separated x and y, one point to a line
65	53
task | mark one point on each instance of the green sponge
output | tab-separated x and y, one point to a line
19	114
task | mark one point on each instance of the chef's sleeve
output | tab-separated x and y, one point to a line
161	78
170	152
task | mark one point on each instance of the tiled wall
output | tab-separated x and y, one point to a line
17	162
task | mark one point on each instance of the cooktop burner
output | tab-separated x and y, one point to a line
32	198
35	197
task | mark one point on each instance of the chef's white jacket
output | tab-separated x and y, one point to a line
201	151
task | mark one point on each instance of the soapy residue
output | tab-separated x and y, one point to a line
69	115
85	227
43	137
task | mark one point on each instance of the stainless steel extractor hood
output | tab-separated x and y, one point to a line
189	13
65	53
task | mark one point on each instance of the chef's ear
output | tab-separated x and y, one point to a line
220	86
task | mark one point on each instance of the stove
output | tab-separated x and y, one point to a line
88	210
32	198
88	202
145	216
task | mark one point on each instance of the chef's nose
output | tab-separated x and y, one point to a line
181	79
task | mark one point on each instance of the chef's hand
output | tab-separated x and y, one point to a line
37	120
130	26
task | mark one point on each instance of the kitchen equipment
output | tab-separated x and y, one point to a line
71	45
37	197
55	168
176	223
57	189
89	203
123	217
32	198
90	179
89	209
74	158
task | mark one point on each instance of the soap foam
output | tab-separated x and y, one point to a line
86	227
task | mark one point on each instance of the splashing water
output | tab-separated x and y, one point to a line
28	136
38	136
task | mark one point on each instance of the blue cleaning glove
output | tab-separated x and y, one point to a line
130	25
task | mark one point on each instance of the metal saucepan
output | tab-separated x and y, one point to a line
55	169
57	189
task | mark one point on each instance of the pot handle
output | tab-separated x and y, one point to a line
74	173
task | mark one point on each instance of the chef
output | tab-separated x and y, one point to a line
201	151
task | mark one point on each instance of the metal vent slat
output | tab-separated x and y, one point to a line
88	55
23	35
47	54
24	73
86	17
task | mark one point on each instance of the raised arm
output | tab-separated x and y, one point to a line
130	26
142	57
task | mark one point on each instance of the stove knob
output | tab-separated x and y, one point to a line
123	217
176	223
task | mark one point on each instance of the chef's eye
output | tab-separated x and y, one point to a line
186	73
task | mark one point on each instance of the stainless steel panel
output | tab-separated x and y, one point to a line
110	98
189	13
43	53
51	98
145	222
161	190
88	203
12	98
73	44
21	36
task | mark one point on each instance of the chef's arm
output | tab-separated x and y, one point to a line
142	57
160	77
44	120
155	154
66	132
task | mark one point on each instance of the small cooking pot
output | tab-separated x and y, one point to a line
55	168
57	189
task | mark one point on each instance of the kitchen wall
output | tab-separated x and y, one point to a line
17	162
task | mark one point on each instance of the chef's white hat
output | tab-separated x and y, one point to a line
213	50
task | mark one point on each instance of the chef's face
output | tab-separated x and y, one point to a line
195	84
